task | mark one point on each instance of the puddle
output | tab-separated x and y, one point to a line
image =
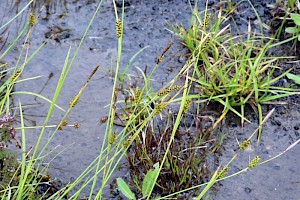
145	24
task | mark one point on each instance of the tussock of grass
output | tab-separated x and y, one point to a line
232	70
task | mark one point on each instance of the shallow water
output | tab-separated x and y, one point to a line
145	24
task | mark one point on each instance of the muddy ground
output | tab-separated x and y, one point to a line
145	24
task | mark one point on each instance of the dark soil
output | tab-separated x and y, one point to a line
145	24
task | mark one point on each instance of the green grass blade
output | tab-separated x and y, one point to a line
208	186
260	119
23	176
122	76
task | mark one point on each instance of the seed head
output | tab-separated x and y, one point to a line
31	19
118	28
74	101
186	106
103	120
222	173
15	76
206	20
163	92
137	96
59	127
77	125
254	162
159	107
112	138
175	87
64	123
205	44
160	59
126	143
181	30
245	144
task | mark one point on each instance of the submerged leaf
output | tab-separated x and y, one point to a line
295	78
124	188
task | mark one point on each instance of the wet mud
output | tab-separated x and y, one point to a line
64	23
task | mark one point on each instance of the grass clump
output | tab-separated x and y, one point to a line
184	164
232	70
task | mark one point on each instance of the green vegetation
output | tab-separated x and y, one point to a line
286	15
167	157
232	70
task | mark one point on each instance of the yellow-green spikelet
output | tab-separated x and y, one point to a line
205	44
15	76
112	138
126	143
74	101
206	20
222	173
168	90
245	144
254	162
163	92
159	107
137	96
31	19
176	87
118	28
186	106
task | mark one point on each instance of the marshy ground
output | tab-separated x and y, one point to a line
146	24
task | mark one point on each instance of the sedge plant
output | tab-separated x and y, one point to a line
232	70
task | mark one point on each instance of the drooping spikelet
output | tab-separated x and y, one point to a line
118	28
